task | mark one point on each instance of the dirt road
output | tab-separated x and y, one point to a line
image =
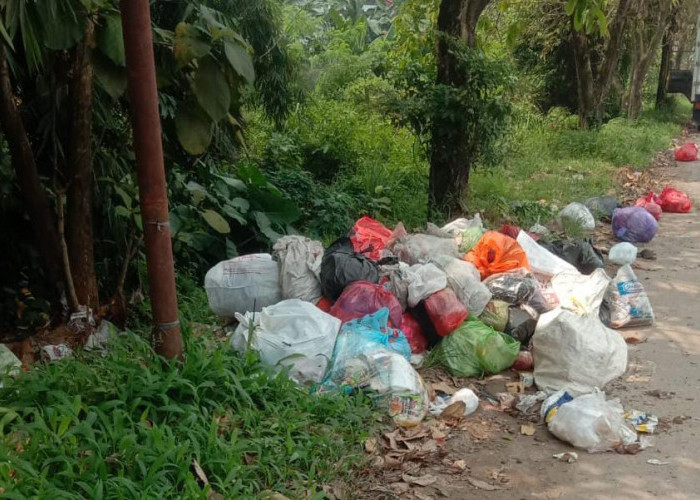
501	463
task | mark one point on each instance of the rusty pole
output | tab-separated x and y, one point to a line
145	120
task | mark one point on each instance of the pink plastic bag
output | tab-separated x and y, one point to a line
687	152
445	311
651	204
414	333
362	298
369	237
674	200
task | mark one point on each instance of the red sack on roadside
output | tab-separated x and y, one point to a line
650	203
687	152
414	333
362	298
497	253
369	237
674	200
445	311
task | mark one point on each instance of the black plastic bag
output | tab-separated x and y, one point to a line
602	207
516	288
581	254
521	325
341	266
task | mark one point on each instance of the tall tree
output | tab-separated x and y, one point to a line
450	160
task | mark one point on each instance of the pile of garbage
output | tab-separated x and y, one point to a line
362	314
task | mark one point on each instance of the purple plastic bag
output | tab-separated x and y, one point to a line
634	224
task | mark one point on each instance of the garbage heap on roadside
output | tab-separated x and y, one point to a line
361	314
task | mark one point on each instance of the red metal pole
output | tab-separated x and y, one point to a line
145	120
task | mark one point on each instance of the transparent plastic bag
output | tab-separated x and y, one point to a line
425	280
300	267
445	311
419	248
623	253
628	301
396	278
362	298
466	232
542	261
464	280
495	315
577	216
517	287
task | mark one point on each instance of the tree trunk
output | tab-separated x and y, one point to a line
80	181
36	201
664	69
613	49
449	161
584	80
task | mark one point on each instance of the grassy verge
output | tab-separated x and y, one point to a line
549	165
128	426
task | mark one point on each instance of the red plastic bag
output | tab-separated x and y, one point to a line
687	152
674	200
651	204
362	298
524	362
414	333
445	311
510	230
324	304
369	237
497	253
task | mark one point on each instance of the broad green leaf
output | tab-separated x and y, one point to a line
240	203
63	23
216	221
110	39
570	6
110	77
279	210
231	250
5	36
234	214
122	211
188	44
211	89
237	184
124	196
197	191
240	60
250	174
193	127
265	226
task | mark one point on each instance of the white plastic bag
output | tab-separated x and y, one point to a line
398	277
628	301
542	262
577	215
576	353
246	283
292	333
424	280
623	253
460	225
465	281
465	395
418	248
300	266
466	232
580	292
592	423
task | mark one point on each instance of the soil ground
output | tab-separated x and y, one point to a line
663	378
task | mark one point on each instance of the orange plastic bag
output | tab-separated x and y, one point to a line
369	237
497	253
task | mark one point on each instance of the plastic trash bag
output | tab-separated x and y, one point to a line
634	224
577	216
542	262
496	253
396	278
602	206
246	283
474	349
377	361
650	203
362	298
674	201
425	280
576	353
687	152
495	315
579	292
510	230
465	395
592	423
465	281
627	300
521	324
466	232
300	267
517	287
413	333
419	248
445	311
581	254
369	237
623	253
341	265
290	333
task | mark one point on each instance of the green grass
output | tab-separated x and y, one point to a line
548	166
129	426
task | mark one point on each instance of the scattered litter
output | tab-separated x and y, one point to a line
656	461
57	352
527	402
459	464
528	429
414	334
576	217
526	378
469	400
641	421
483	485
515	387
634	224
9	363
623	253
569	457
660	394
98	340
524	361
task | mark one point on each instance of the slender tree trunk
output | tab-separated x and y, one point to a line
449	161
35	198
80	181
584	78
664	70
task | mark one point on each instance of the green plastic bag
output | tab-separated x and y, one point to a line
470	237
474	349
495	315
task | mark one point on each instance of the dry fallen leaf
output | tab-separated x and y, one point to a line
425	480
454	411
199	471
399	488
527	429
422	496
443	387
515	387
483	485
371	445
459	464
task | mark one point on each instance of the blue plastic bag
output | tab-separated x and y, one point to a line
634	224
